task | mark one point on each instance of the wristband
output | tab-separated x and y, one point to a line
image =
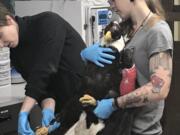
115	103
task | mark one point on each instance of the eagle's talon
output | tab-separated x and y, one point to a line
87	100
42	131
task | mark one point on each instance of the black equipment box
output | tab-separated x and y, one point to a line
9	109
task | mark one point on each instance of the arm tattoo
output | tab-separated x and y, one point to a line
160	67
157	83
163	60
159	61
136	98
132	98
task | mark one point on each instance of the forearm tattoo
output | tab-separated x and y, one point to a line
160	67
136	98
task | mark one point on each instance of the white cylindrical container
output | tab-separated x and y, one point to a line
5	72
4	65
4	54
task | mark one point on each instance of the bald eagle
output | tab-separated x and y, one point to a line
77	117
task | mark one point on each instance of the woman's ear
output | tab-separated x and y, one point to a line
9	19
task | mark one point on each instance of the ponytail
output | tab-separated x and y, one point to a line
156	7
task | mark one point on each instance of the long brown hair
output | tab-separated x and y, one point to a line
155	6
3	12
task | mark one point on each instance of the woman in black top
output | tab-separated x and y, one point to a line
45	49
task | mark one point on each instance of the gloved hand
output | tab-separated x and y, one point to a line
104	108
23	124
97	55
48	115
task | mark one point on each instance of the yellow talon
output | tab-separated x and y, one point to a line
86	96
87	99
90	102
42	131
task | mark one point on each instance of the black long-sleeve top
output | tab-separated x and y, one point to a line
47	44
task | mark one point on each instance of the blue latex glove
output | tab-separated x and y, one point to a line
97	55
23	124
48	115
104	108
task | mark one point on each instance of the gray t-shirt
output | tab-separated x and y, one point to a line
146	42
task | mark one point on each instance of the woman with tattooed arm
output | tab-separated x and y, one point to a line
151	38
